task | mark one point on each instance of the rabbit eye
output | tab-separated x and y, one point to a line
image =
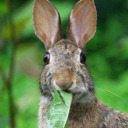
82	58
46	58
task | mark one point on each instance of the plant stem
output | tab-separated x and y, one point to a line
10	89
9	81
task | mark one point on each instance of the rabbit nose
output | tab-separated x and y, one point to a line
64	79
64	84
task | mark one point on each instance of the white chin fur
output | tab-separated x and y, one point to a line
56	86
73	85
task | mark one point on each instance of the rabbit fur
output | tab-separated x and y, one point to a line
65	69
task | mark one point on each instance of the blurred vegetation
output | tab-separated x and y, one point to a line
21	55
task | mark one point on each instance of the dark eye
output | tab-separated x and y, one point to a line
46	58
82	58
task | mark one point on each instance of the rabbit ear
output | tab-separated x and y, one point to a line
82	22
46	22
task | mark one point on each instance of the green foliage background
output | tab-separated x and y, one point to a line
107	57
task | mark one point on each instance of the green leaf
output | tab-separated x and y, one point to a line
59	109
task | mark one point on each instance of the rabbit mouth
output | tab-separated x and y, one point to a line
80	94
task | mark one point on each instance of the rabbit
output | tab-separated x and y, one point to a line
65	66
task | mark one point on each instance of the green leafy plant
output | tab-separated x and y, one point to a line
59	109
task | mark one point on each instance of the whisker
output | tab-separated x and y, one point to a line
112	94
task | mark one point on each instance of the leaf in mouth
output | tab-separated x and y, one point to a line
59	109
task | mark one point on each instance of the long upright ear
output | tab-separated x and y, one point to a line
83	20
46	22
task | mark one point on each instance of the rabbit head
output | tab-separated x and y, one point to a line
65	63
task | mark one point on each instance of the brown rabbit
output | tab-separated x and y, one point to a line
65	67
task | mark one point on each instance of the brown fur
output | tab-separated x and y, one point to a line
86	110
65	70
96	115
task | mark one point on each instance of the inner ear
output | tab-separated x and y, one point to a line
47	22
82	22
